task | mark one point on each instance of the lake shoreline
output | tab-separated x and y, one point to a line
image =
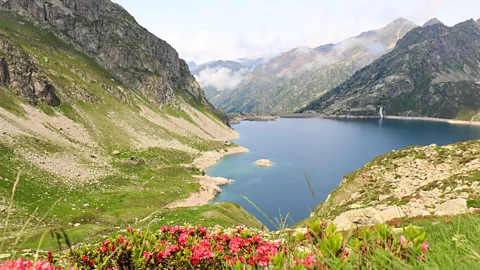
415	118
209	185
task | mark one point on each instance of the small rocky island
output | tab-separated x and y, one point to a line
264	163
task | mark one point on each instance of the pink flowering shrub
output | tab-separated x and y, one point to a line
179	248
20	264
321	247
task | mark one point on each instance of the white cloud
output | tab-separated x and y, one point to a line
345	45
221	78
217	29
317	62
375	48
303	50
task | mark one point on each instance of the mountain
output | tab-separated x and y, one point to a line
100	122
432	21
296	77
433	71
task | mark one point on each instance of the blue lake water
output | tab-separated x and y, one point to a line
324	149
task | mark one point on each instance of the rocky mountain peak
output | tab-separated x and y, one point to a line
432	21
110	35
399	22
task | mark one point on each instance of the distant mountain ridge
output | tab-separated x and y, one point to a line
293	79
433	71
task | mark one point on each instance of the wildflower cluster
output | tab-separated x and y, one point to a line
21	264
179	247
320	247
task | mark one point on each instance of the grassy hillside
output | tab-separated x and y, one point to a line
105	158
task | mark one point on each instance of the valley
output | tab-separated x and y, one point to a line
115	153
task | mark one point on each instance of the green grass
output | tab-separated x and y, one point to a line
10	103
475	203
48	110
145	183
454	241
211	215
466	114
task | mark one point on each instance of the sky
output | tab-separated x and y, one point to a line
208	30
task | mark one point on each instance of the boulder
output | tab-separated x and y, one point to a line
361	217
391	213
383	197
452	207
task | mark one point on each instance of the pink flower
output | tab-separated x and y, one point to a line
182	239
202	230
121	239
309	260
21	264
425	246
403	240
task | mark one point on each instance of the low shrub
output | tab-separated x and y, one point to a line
321	247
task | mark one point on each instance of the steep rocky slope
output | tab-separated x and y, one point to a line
433	71
417	181
295	78
106	32
100	121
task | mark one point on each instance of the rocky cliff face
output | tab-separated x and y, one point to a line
19	73
106	32
433	71
297	77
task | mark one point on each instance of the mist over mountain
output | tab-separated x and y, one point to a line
433	71
294	78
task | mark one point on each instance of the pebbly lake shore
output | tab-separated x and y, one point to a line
415	118
209	185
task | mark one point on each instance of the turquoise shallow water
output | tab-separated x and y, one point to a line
325	149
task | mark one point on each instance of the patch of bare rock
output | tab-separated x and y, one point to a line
207	159
419	181
207	192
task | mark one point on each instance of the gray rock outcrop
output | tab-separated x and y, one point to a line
107	33
19	73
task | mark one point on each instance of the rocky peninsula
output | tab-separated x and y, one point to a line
209	185
236	118
416	181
